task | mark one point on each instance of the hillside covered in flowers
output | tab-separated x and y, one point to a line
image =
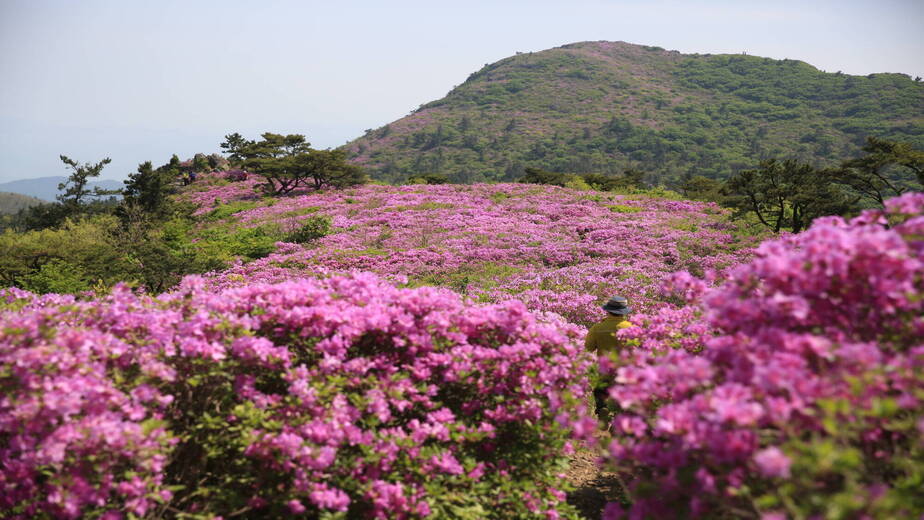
417	352
555	249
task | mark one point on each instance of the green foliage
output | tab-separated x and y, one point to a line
576	182
702	188
148	189
538	176
75	189
146	239
599	107
224	211
622	208
429	178
226	243
654	192
288	162
629	180
40	216
74	258
787	194
75	201
56	276
887	169
150	250
483	275
311	229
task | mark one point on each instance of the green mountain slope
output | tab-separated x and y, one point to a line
608	106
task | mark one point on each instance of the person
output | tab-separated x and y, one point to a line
601	339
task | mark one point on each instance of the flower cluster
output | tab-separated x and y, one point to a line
338	394
794	387
558	250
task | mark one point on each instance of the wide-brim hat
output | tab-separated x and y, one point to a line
617	305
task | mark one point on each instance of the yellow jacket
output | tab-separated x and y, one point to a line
601	338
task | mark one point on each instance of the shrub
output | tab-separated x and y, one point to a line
70	259
576	182
225	211
429	178
236	175
227	243
57	276
623	208
312	228
793	388
335	398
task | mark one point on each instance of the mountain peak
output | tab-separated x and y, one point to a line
601	106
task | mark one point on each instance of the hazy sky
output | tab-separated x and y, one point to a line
141	80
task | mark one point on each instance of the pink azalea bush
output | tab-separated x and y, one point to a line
318	397
330	380
793	388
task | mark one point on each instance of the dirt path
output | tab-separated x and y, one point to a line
593	487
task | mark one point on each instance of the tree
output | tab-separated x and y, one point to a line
787	194
147	189
233	145
329	168
539	176
602	182
288	161
75	187
73	201
634	177
429	178
888	168
698	187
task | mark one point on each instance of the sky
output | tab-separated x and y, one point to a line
139	80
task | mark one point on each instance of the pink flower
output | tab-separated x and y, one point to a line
772	462
295	506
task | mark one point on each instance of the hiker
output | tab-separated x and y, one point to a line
601	339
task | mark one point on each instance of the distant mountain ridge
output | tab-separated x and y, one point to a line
13	202
608	106
46	188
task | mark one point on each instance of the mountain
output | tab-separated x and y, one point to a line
13	202
46	188
608	106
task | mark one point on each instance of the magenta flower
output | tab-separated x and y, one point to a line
772	462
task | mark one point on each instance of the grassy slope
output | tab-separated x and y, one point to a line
607	106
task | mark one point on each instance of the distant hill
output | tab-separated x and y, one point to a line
13	202
608	106
46	188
